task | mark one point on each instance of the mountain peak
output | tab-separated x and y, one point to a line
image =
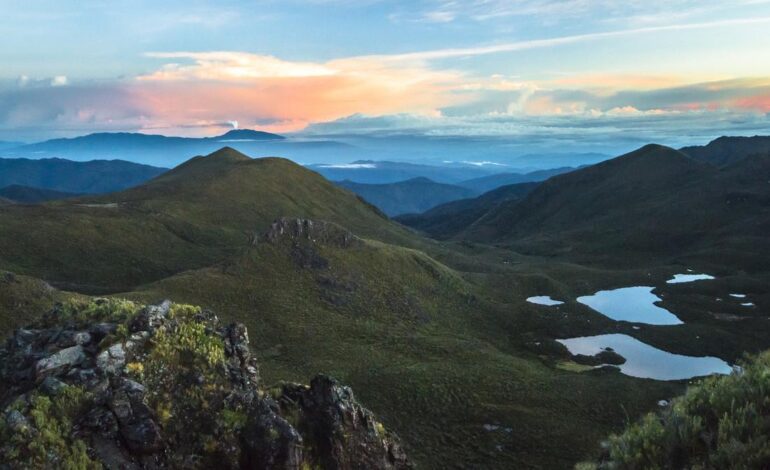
228	153
248	134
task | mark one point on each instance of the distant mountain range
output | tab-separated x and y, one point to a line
97	176
488	183
165	151
655	200
447	220
382	172
414	195
6	145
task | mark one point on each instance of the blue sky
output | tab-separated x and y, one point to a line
659	70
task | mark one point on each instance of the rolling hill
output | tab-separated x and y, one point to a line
414	195
56	174
653	201
30	195
189	217
727	150
447	220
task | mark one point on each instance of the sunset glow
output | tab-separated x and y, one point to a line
503	61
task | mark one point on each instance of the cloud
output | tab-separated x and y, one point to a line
437	54
204	92
59	80
559	11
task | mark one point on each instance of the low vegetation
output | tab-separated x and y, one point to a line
720	423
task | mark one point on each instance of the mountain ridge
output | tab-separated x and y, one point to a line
413	195
58	174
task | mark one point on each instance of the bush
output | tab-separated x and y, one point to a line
724	422
45	441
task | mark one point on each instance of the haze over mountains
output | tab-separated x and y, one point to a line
166	151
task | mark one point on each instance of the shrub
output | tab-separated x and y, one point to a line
46	441
720	423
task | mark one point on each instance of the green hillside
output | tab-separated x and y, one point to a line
654	202
443	366
436	337
200	212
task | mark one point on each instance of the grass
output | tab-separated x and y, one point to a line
436	338
419	346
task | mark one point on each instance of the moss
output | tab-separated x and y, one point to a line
233	419
47	442
184	372
82	310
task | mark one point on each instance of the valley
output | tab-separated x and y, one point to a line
437	336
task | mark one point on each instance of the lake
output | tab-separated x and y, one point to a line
631	304
645	361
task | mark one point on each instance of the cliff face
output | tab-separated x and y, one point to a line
112	384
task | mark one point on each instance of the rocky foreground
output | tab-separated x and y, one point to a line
112	384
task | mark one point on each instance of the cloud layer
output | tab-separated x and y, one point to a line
430	92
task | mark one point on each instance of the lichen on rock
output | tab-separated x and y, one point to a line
112	384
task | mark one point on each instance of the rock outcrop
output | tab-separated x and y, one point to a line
294	229
112	384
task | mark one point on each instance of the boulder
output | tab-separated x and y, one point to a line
59	362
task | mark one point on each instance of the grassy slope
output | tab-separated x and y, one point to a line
190	217
437	355
22	299
431	357
652	203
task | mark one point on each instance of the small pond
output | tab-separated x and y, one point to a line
631	304
645	361
682	278
544	300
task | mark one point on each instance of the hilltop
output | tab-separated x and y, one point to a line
724	151
192	216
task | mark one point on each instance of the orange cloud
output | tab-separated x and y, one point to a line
285	96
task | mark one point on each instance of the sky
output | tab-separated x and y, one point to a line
555	72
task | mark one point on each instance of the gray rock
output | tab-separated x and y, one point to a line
52	386
142	437
112	360
72	338
16	421
59	362
151	317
